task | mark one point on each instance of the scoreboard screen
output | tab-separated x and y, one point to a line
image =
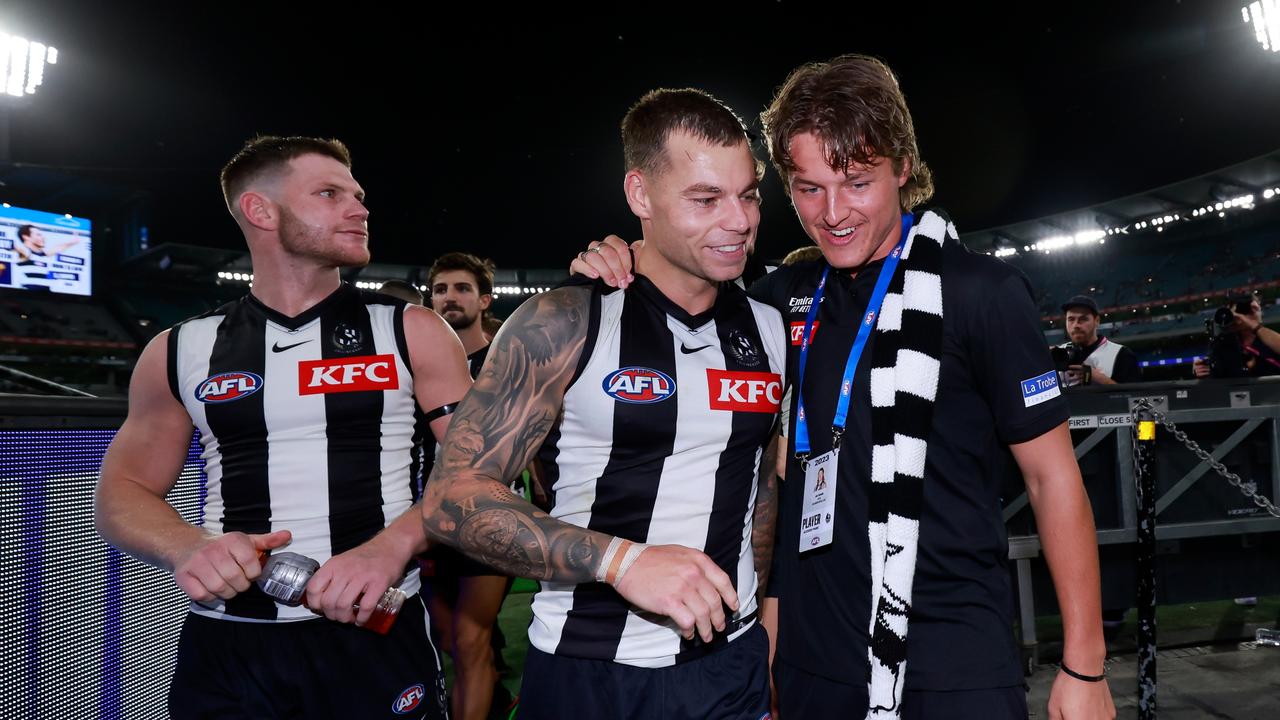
45	252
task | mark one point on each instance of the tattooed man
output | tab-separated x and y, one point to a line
648	409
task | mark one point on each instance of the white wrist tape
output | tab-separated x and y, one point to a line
629	559
602	571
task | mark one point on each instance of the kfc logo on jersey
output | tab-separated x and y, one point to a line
409	699
797	332
745	391
354	374
639	385
228	386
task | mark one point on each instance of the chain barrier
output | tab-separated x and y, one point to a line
1248	489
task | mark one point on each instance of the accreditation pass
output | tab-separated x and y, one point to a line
819	506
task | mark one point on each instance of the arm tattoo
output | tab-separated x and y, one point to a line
765	518
495	432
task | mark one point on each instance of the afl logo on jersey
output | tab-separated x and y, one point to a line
639	385
409	699
225	387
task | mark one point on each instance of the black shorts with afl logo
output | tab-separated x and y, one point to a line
731	683
307	669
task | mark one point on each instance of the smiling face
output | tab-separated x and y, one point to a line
701	210
33	238
853	214
322	212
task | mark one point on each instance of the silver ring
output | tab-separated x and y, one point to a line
595	249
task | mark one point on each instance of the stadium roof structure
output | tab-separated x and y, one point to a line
1143	212
179	262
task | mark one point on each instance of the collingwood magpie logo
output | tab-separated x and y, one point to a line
347	339
743	349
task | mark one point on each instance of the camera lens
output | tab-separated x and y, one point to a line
1223	316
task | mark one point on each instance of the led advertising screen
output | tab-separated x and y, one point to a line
45	252
85	631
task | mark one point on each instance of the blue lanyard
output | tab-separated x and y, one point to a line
859	343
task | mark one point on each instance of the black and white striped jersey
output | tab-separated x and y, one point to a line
306	424
32	271
659	441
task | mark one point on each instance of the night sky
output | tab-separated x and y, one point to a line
498	134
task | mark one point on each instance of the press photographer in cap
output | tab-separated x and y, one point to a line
1086	359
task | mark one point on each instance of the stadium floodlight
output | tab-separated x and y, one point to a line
1265	17
22	64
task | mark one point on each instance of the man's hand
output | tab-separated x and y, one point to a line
1072	699
223	566
1250	321
1100	378
682	584
1075	375
357	577
609	260
1200	368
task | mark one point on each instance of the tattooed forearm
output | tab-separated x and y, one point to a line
503	531
494	434
765	519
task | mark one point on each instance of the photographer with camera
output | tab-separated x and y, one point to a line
1239	344
1086	358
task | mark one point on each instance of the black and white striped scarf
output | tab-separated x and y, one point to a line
904	383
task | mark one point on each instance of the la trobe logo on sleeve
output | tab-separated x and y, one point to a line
1040	388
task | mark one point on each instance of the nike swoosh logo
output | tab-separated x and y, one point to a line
276	346
690	351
